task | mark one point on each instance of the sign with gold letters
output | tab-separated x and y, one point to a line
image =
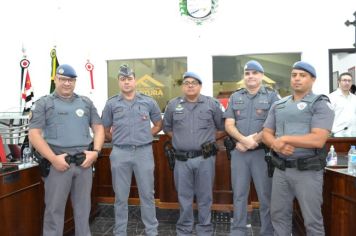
150	86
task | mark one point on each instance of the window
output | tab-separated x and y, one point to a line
228	72
159	78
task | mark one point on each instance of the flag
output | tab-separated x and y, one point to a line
27	95
90	68
2	151
54	65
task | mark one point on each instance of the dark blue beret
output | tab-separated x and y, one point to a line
66	70
254	65
302	65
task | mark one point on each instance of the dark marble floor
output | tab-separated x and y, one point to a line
104	222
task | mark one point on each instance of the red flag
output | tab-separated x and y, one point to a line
27	94
2	151
26	87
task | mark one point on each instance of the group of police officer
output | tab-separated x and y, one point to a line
295	128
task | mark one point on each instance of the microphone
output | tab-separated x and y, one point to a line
333	133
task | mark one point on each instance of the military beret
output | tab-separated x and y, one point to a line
66	70
254	65
193	75
302	65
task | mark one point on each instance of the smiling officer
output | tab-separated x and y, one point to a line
59	128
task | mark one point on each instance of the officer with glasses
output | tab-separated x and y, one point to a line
60	126
193	121
127	121
344	105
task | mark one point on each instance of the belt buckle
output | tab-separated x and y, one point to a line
189	155
293	164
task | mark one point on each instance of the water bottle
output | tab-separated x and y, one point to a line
331	159
26	155
351	166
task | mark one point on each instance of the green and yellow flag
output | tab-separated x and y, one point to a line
54	65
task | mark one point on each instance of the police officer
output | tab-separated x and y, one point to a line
296	128
192	121
126	118
247	110
60	126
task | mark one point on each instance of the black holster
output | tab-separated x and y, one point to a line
270	166
230	145
209	149
43	164
170	154
277	161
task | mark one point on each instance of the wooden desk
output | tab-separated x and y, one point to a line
21	202
339	207
165	193
339	195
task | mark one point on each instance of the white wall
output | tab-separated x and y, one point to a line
125	29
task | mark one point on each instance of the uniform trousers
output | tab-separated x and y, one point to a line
307	187
245	165
124	162
77	181
195	177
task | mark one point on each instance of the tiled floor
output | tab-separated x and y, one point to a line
103	224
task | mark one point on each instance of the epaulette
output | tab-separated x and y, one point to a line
85	99
214	100
239	91
324	97
48	97
142	94
115	96
311	98
270	90
283	100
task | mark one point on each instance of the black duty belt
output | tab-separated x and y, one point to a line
310	163
291	163
128	146
183	156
